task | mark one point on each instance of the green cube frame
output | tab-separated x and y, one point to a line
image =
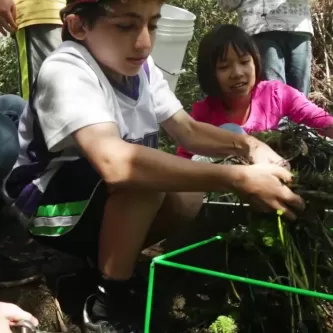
161	260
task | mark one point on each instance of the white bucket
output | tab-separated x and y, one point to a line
175	30
173	79
175	16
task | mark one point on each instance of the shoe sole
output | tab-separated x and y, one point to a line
22	282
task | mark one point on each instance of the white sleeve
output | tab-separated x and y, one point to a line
166	104
69	96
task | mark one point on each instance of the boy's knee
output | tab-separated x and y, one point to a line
154	197
183	205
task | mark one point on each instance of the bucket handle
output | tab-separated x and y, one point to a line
181	71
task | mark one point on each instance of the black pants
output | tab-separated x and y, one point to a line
82	240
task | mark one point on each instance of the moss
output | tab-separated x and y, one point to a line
223	324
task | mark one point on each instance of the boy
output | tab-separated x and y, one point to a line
89	177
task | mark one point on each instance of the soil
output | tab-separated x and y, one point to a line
190	302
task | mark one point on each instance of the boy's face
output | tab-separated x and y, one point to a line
122	41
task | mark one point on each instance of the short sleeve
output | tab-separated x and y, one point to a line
68	97
165	102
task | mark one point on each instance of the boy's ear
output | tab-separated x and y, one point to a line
76	27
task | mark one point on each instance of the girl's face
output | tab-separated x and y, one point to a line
122	41
235	74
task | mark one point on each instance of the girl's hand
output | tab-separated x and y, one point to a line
11	313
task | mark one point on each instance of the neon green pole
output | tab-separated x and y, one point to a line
241	279
149	296
187	248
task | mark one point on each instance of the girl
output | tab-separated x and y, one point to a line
229	71
89	178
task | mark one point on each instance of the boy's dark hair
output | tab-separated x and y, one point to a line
88	10
214	46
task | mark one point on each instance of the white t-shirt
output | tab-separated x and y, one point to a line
72	92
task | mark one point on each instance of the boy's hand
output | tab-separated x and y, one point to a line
260	153
263	186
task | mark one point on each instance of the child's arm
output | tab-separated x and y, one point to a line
230	5
123	164
299	109
199	113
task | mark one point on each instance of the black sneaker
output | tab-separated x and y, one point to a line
121	322
15	272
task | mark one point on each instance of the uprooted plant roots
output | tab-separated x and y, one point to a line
298	254
311	159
